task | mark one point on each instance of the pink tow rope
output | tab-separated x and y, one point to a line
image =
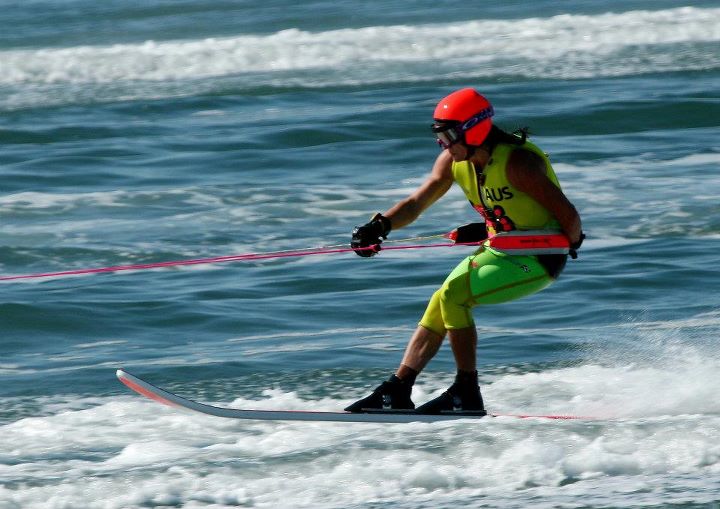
222	259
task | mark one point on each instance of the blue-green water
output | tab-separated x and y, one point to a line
171	130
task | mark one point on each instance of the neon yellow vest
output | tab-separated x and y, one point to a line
504	207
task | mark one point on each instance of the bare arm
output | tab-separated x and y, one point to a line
435	186
526	172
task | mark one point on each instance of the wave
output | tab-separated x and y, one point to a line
661	424
564	47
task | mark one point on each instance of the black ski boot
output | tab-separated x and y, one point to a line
462	397
394	394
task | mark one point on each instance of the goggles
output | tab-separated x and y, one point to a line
448	134
448	137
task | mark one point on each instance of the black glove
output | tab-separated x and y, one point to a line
370	234
472	232
575	246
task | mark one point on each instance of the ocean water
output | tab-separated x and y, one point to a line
137	133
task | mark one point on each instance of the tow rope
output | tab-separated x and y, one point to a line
326	250
519	243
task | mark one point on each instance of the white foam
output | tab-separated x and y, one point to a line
149	453
34	200
99	344
564	46
660	420
637	162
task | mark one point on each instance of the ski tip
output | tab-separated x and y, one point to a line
125	377
144	388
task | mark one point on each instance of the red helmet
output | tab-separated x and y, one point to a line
463	113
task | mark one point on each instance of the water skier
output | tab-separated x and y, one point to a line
511	183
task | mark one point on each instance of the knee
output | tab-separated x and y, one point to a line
432	320
455	305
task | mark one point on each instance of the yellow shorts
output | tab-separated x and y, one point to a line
486	277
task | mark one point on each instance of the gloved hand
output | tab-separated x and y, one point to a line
575	246
472	232
370	234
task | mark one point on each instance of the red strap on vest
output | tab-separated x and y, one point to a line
531	242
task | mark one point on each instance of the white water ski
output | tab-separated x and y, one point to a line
168	398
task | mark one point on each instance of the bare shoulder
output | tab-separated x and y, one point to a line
526	169
526	162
